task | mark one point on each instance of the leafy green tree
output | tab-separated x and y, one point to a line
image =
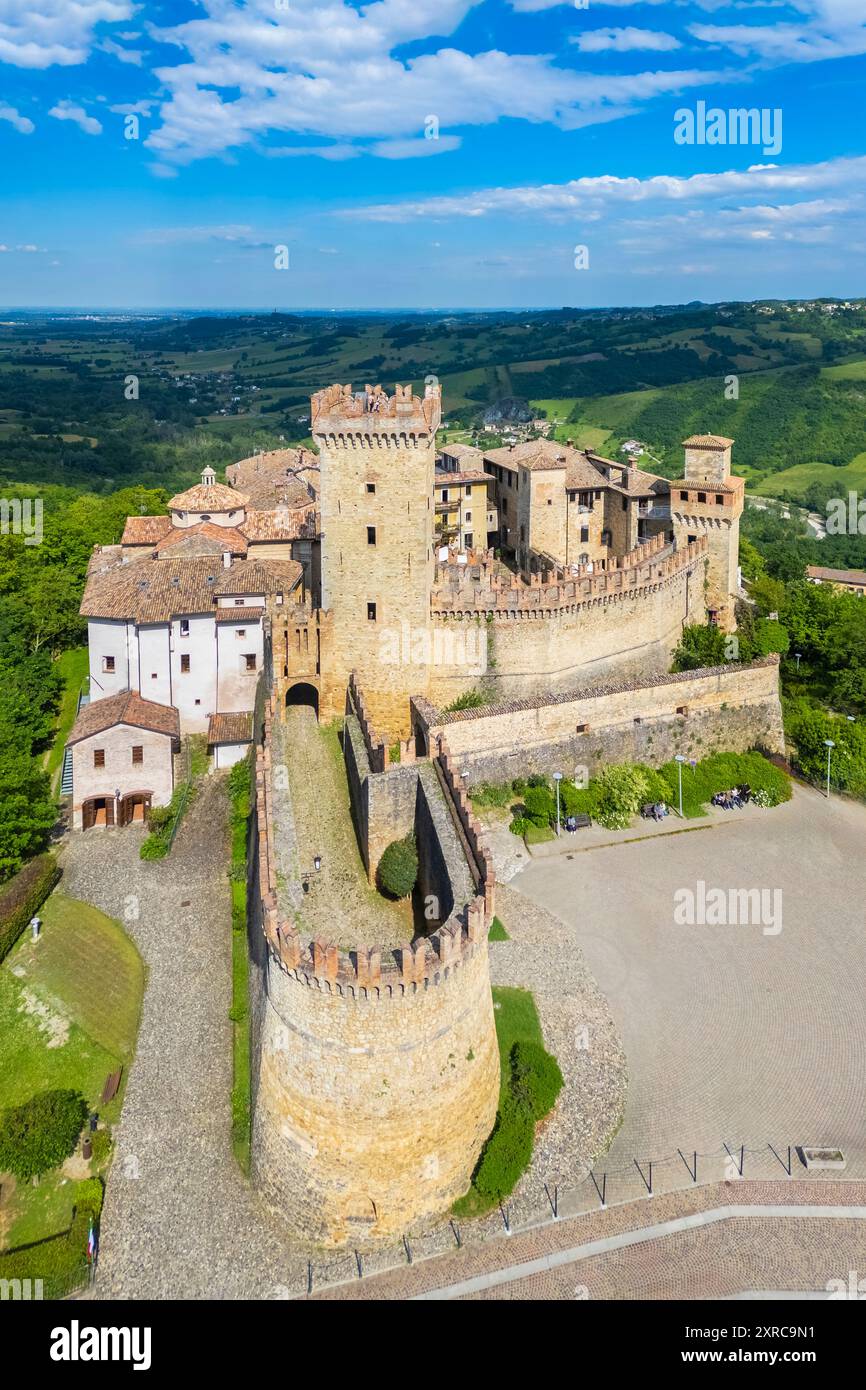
398	867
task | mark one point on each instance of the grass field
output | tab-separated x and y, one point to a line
793	482
69	1011
73	667
847	371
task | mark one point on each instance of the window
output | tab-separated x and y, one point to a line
184	662
137	753
625	504
371	612
719	500
153	675
469	539
584	533
468	489
108	663
371	487
467	516
684	497
550	501
682	709
702	497
371	535
99	757
241	632
184	627
581	728
444	494
250	661
239	603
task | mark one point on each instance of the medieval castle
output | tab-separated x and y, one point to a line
378	582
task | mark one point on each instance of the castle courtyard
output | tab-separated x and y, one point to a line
745	1035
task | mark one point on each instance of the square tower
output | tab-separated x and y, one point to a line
377	457
708	501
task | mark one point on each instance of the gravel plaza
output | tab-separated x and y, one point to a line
750	1034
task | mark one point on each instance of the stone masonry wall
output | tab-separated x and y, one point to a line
726	708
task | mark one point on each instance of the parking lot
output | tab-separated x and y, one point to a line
746	1032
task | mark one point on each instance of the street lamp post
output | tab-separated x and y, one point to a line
798	655
829	745
557	777
680	760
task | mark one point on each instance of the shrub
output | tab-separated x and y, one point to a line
473	699
41	1133
398	868
519	825
536	1080
507	1153
540	804
23	896
102	1141
622	790
848	763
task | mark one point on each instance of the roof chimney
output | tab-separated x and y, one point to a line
227	559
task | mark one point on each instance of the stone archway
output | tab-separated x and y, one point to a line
97	812
303	693
133	808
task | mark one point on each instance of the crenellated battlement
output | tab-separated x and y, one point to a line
371	972
339	411
483	591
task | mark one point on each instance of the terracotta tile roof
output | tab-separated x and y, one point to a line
707	441
203	539
145	530
127	707
236	727
532	453
836	576
239	615
442	479
693	485
213	497
290	476
259	577
280	524
150	590
458	451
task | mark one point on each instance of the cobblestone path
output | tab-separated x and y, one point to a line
179	1219
339	902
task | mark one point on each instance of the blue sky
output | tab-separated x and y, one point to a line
306	123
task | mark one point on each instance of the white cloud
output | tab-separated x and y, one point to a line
39	35
23	124
625	41
325	69
69	111
123	55
832	29
592	196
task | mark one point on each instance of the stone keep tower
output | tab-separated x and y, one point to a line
708	501
377	460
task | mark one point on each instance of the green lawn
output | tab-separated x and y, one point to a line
73	667
793	482
847	371
69	1011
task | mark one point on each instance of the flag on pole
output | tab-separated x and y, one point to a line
91	1244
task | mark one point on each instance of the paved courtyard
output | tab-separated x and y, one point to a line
732	1034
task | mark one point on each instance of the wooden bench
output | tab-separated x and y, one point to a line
109	1090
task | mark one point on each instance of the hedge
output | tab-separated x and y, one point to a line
39	1134
61	1261
398	867
22	897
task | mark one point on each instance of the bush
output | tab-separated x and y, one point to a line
23	896
398	868
507	1153
102	1141
519	825
722	771
473	699
848	763
536	1080
41	1133
540	804
622	791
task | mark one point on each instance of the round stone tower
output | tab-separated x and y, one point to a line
376	1072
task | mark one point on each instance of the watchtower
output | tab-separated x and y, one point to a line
377	460
708	501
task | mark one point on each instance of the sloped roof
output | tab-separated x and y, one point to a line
203	539
235	727
836	576
279	524
127	707
208	497
707	441
151	590
145	530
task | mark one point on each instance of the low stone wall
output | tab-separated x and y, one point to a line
694	713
